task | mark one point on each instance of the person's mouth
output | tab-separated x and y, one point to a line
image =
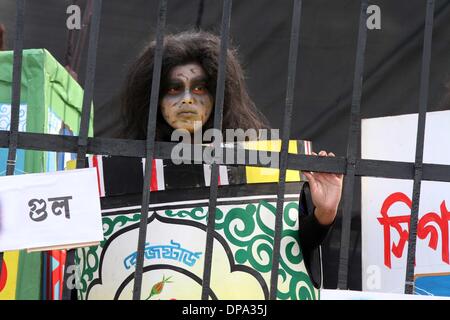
187	112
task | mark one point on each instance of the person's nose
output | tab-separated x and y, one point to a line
187	97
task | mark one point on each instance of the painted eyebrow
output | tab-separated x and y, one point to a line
199	79
177	79
174	81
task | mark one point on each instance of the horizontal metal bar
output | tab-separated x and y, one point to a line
136	148
118	147
317	164
385	169
401	170
59	143
436	172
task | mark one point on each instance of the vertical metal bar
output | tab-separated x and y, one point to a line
352	148
151	127
15	94
292	70
218	115
89	84
423	103
87	16
85	116
201	10
15	98
69	57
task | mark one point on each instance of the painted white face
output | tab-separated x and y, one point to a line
186	99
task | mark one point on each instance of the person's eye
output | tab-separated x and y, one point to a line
200	89
174	90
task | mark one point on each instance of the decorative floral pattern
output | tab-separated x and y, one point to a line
88	258
249	229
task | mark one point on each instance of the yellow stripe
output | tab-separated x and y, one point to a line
11	259
263	175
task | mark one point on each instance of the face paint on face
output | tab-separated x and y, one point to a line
186	99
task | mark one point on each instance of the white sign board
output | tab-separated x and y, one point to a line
386	207
50	210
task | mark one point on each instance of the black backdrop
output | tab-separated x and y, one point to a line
261	30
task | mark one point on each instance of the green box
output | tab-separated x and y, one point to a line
51	102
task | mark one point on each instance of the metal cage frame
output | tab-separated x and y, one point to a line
351	166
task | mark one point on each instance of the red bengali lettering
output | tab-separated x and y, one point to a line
424	228
387	222
428	225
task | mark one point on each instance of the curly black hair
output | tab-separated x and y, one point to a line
181	48
2	37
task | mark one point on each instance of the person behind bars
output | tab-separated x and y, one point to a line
187	95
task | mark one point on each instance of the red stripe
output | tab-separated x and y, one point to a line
218	182
49	275
58	273
62	266
154	182
95	164
3	276
55	274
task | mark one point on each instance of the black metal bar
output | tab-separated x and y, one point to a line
292	70
150	144
316	164
15	95
350	165
136	148
384	169
218	115
201	10
85	116
69	55
89	84
352	148
418	164
86	21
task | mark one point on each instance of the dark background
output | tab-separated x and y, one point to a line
261	31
